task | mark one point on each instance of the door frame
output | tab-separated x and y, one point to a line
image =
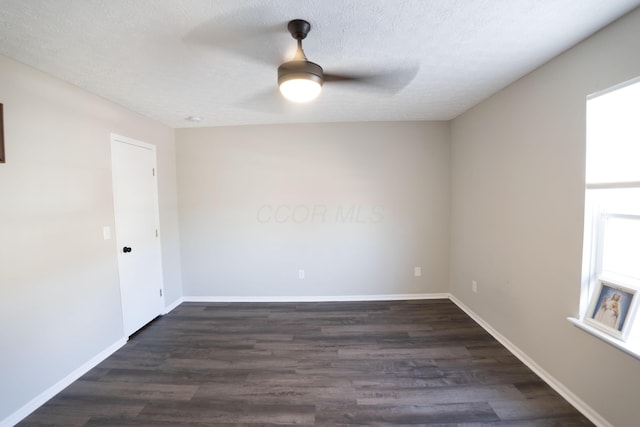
119	139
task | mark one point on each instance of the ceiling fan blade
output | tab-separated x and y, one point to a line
329	77
391	82
244	32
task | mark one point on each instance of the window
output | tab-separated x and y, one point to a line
612	199
620	245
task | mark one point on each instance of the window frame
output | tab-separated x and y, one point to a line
596	216
599	273
597	209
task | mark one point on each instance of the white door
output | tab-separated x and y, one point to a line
136	214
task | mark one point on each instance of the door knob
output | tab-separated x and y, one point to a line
126	249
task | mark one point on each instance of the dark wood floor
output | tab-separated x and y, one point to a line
332	364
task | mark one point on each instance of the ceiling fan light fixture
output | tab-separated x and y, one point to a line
300	81
300	89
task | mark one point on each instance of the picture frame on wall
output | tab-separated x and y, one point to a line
612	308
2	157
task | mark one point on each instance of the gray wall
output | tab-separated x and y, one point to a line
59	291
356	205
517	224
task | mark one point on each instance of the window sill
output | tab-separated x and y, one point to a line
632	349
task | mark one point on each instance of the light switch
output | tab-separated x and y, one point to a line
106	232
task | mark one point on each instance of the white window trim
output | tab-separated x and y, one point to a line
592	256
612	185
592	269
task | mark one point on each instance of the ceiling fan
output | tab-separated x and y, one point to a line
301	80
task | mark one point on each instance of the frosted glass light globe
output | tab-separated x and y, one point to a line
300	90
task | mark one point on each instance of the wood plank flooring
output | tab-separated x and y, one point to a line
390	363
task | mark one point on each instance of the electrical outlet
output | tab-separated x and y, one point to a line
474	286
301	274
417	271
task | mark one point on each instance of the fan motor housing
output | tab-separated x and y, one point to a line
300	69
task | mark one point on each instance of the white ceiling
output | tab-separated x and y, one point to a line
218	59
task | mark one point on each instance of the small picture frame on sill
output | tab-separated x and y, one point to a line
2	158
612	308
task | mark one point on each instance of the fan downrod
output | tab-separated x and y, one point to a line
299	28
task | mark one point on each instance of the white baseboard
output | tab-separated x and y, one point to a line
562	390
317	298
43	397
172	306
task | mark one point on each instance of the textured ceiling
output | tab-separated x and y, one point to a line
217	59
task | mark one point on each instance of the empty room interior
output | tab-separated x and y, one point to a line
413	246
